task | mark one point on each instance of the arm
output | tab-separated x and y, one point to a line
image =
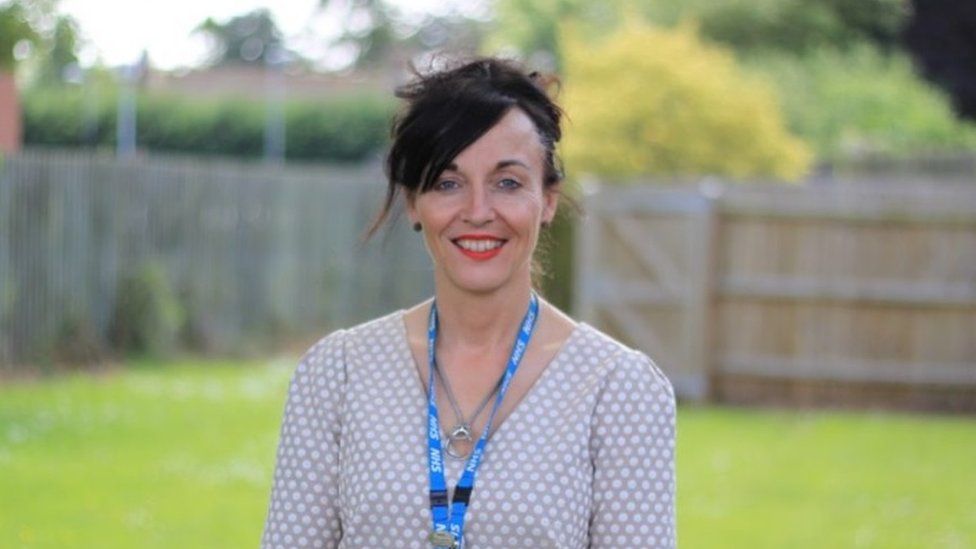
633	450
303	511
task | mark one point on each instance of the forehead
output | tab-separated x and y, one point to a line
513	137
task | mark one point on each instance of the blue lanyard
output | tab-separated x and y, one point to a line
448	528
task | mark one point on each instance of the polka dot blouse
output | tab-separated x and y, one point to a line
586	459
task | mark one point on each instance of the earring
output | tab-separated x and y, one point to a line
545	224
417	227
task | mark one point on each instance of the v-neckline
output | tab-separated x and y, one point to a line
522	403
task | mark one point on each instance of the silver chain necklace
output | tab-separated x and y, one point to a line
462	430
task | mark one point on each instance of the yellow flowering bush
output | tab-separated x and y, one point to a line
655	101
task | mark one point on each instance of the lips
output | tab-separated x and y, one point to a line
479	247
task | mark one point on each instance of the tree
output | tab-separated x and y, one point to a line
60	51
799	26
379	34
52	39
794	25
369	29
531	26
14	27
246	39
651	101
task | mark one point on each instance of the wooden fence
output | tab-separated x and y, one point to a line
856	293
248	250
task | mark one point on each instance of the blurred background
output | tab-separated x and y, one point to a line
778	206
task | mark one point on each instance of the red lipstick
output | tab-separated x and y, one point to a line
480	255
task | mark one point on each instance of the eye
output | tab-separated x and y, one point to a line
509	184
445	185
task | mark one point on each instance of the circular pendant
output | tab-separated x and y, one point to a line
458	433
442	539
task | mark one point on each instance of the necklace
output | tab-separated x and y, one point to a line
462	430
447	515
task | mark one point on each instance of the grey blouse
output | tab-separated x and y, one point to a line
586	459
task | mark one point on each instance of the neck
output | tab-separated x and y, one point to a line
480	323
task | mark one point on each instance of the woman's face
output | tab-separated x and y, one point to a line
482	216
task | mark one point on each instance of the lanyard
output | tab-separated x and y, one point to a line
448	528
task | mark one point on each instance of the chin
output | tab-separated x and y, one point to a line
480	282
478	285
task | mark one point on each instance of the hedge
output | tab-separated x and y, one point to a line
345	129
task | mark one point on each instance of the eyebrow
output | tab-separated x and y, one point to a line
501	165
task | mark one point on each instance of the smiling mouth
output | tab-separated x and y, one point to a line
479	248
478	244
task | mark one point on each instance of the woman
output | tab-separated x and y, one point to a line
537	431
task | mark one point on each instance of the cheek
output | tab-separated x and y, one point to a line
524	209
429	212
529	212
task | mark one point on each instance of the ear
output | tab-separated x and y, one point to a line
410	202
550	202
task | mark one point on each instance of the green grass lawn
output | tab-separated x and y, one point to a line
181	456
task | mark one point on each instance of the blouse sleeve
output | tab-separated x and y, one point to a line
303	510
633	452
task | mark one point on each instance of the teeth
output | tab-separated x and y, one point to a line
479	245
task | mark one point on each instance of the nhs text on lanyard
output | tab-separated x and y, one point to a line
448	528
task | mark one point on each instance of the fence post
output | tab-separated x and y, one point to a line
587	239
711	190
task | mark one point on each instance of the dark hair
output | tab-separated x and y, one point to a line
445	111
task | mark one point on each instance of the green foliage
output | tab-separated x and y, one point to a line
69	117
341	129
530	26
77	341
350	128
380	34
53	38
14	27
656	101
249	38
835	65
148	316
863	101
798	26
58	54
371	29
556	253
233	127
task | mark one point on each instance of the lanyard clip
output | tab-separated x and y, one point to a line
443	539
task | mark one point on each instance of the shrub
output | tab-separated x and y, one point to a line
343	129
660	101
77	341
861	100
340	129
66	117
147	317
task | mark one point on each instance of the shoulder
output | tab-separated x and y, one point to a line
336	344
325	366
632	394
623	368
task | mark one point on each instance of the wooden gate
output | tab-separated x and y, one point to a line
858	294
655	295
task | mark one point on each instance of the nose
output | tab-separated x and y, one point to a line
479	209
